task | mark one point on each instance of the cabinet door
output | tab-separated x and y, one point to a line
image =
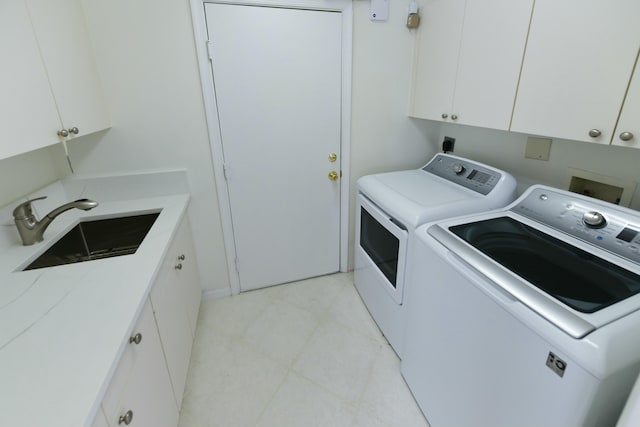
28	112
100	420
60	29
629	121
436	58
493	40
141	383
578	62
188	274
168	300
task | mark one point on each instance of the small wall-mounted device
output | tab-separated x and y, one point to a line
413	19
448	144
379	10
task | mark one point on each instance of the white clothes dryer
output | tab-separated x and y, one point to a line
391	205
527	315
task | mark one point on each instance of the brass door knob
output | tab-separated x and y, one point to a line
333	157
333	176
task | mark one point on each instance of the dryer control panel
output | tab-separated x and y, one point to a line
608	226
464	172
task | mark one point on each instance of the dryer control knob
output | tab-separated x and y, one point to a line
594	219
458	168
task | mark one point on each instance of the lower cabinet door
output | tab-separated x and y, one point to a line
100	420
140	393
167	298
187	274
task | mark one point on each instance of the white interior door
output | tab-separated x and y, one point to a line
277	77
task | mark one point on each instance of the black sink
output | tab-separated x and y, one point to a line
97	239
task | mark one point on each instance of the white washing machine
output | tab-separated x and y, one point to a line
391	205
527	315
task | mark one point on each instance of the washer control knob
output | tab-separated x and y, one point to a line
594	219
458	168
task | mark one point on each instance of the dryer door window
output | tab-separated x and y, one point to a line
380	245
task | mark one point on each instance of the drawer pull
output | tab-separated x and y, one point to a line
181	257
126	418
178	266
136	339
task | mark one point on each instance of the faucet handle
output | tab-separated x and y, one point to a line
24	210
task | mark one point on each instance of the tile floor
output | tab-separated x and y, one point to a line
297	355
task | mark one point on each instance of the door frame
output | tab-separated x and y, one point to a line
345	8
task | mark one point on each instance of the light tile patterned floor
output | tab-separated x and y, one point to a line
297	355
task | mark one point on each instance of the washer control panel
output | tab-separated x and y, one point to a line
608	226
464	172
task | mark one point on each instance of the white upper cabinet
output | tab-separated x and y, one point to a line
578	62
467	60
61	32
49	78
627	133
27	107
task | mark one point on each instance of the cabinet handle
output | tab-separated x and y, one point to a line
181	257
126	418
626	136
594	133
454	117
63	133
74	130
445	115
136	339
178	266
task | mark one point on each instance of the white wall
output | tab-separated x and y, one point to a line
25	173
146	57
383	137
145	51
505	150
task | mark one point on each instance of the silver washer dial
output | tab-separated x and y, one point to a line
593	219
458	168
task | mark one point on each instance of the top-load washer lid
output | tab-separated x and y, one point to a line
446	186
571	259
572	275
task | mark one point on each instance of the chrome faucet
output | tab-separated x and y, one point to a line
31	230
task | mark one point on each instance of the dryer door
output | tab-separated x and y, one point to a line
383	241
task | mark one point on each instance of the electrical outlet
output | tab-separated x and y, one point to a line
447	144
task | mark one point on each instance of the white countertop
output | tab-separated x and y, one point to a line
63	329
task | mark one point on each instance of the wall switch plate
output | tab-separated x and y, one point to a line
537	148
379	10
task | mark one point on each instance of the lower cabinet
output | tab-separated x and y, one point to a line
100	420
140	391
175	298
146	389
